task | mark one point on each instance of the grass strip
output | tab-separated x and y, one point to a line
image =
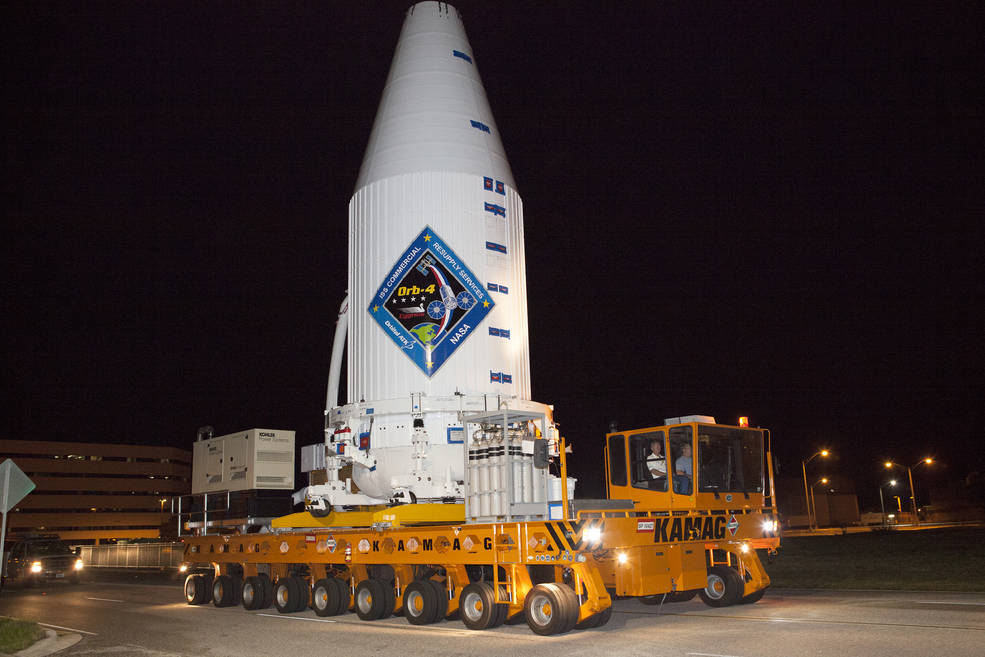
16	635
924	560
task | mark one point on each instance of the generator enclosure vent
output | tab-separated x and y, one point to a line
246	460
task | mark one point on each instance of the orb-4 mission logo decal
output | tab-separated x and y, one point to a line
430	302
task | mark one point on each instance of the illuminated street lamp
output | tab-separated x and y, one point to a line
822	480
807	501
909	473
882	505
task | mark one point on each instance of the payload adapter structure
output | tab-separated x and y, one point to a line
436	315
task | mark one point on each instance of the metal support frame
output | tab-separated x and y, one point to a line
514	510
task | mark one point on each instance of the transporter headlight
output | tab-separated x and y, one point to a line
36	567
622	557
79	564
770	525
592	535
744	548
183	568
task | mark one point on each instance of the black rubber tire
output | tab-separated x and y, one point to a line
420	603
287	595
345	595
572	606
682	596
389	598
198	589
226	590
254	593
441	600
595	620
546	610
752	598
477	604
724	587
588	623
316	513
268	591
679	596
370	599
515	619
504	608
325	598
304	593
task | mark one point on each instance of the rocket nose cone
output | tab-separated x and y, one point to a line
434	114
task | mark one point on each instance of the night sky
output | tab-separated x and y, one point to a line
772	210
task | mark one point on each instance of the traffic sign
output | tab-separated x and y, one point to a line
14	485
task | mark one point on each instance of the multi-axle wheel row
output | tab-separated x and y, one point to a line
725	587
550	608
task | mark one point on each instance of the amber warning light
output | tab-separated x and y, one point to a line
743	421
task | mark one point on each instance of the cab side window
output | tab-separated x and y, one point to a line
617	460
681	445
648	459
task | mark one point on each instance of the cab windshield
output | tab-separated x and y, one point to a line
730	460
48	548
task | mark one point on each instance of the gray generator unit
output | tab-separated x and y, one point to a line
246	460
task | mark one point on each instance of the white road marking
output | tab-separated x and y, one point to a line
105	599
313	620
708	654
70	629
430	628
935	602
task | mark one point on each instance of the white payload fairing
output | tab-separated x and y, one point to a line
436	314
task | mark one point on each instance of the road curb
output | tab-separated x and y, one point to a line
51	643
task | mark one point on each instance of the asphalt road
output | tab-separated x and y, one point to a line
151	620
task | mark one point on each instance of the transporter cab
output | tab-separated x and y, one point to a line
706	486
688	506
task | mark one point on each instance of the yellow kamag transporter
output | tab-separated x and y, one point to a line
663	534
703	502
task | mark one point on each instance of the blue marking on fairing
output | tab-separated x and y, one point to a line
461	55
478	125
492	246
496	209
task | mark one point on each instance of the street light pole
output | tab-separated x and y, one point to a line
807	501
909	474
882	504
913	496
813	502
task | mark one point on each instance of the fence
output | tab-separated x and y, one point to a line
133	555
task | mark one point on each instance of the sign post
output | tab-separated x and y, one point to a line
14	486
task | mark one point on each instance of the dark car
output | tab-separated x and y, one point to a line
31	559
